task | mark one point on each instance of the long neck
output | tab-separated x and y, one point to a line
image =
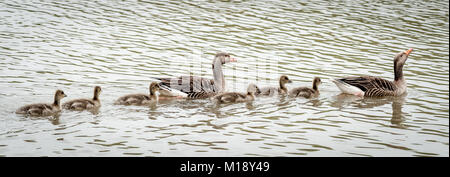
95	95
219	80
398	72
315	87
153	95
251	95
56	102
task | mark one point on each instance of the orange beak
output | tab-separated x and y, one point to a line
408	51
233	59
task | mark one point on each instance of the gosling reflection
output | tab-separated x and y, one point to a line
343	100
54	119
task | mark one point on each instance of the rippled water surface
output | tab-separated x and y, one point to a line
120	45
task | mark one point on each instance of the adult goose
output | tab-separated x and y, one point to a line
370	86
84	104
194	86
234	97
141	99
270	91
43	109
305	91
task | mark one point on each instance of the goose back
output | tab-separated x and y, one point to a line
371	86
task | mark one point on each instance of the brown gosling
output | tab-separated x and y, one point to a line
85	104
43	109
141	99
234	97
305	91
270	91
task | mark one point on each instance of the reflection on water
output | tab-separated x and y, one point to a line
121	45
343	100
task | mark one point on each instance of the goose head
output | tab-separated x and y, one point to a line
400	58
399	62
59	95
284	80
224	57
154	88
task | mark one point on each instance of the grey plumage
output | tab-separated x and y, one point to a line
197	87
370	86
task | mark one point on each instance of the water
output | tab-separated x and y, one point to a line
119	45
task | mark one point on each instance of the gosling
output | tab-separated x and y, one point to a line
307	92
85	104
141	99
234	97
270	91
43	109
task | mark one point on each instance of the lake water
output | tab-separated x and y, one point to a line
120	45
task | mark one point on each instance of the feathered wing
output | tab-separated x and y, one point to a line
192	86
201	95
377	92
132	99
229	97
302	92
35	109
371	86
79	104
268	91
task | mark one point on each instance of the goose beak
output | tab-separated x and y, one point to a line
233	59
408	51
65	95
289	81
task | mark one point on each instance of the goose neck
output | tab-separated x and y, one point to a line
219	80
56	102
398	71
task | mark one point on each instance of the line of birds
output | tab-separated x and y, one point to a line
198	87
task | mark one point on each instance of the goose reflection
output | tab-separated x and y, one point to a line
343	100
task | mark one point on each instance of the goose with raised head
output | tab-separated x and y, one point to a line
270	91
194	86
84	103
234	97
43	109
141	99
307	92
370	86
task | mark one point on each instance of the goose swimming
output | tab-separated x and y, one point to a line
194	86
370	86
